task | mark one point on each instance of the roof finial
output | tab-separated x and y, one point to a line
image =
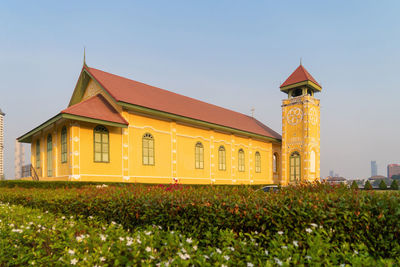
252	112
300	61
84	55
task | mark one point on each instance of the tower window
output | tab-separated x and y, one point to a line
309	92
275	163
221	158
101	144
148	149
312	161
258	161
241	160
49	156
297	92
295	171
199	156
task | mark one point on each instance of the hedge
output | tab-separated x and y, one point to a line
353	217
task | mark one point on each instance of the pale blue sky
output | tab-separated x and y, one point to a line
231	53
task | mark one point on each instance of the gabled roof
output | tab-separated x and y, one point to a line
94	110
124	90
96	107
299	75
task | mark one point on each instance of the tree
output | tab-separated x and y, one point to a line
382	185
367	186
394	185
354	185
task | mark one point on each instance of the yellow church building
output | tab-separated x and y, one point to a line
120	130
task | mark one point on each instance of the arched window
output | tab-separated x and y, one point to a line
148	149
221	158
199	156
49	156
258	161
37	154
64	145
295	171
101	144
312	161
275	163
241	160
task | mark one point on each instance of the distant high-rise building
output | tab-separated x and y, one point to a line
19	159
331	173
1	145
393	169
374	168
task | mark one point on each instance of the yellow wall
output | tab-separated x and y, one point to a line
301	133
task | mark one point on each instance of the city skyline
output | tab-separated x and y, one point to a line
241	51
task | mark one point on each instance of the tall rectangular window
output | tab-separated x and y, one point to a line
49	156
148	149
101	144
199	156
64	154
258	161
241	160
221	158
37	154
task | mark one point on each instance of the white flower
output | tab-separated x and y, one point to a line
195	247
138	241
184	250
226	257
205	256
232	248
280	232
148	249
17	230
266	252
295	243
79	238
249	264
63	217
147	233
308	230
189	240
314	225
121	238
218	251
278	261
114	223
129	243
71	252
102	237
183	256
90	217
307	257
355	252
223	265
342	265
284	247
102	259
74	261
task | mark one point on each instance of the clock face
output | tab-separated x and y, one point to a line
312	116
294	116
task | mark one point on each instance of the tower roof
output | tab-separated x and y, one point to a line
300	77
2	113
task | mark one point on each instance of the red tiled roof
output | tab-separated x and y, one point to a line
136	93
299	75
96	107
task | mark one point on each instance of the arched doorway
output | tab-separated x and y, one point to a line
295	170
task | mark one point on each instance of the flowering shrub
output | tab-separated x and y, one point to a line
33	237
326	223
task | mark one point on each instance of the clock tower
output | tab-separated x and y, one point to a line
300	128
